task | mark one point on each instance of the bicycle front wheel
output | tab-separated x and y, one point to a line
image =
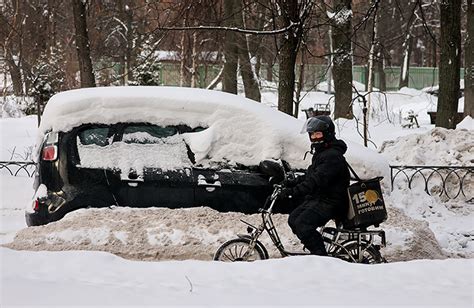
238	250
368	254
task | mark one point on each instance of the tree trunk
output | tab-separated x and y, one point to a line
382	26
51	25
195	62
342	60
15	74
269	71
469	62
287	57
229	74
380	68
248	76
251	88
405	67
450	63
299	85
82	44
286	83
126	17
186	57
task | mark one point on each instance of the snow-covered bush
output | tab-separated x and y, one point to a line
47	78
148	71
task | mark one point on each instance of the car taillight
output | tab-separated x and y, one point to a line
50	153
36	205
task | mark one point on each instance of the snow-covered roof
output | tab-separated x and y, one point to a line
239	130
172	55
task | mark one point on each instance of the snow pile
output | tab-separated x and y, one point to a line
15	106
196	233
439	147
466	123
451	220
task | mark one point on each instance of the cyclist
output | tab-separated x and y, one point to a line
324	187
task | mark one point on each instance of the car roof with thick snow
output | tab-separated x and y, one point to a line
239	130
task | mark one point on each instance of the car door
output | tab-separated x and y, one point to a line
230	190
158	172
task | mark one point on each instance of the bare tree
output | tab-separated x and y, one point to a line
251	88
342	58
292	15
381	26
407	47
11	27
469	62
82	44
450	63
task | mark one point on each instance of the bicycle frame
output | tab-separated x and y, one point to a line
337	239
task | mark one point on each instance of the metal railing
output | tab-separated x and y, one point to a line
450	181
16	168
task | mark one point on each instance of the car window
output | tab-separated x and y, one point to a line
147	134
97	136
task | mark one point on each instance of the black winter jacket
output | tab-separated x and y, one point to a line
328	177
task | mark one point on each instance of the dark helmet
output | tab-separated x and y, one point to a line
321	123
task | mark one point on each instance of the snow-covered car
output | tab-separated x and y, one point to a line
157	146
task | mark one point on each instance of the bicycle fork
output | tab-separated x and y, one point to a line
255	233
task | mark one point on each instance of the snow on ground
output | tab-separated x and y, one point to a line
17	138
419	227
99	279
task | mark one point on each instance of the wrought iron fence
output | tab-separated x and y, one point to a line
17	168
450	181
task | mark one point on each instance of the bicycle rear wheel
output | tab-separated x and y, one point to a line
236	250
349	252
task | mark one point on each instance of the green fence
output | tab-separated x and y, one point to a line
419	77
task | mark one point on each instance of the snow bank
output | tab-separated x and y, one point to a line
438	147
466	123
451	220
195	233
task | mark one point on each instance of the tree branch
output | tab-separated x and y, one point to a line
245	31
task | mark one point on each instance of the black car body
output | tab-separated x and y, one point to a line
131	172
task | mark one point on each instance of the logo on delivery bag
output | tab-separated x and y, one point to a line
366	201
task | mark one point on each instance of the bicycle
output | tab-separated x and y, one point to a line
352	245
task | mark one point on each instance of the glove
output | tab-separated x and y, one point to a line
290	182
286	193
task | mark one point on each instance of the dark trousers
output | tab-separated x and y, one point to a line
306	218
